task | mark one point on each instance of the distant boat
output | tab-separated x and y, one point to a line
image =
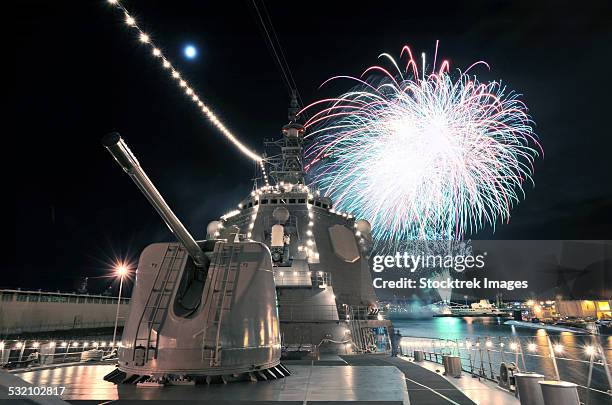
409	311
482	308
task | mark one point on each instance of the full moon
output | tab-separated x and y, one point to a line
190	51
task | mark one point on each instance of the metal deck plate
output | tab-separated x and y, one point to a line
332	384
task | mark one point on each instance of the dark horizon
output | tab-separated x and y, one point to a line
81	74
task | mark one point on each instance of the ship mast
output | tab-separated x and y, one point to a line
288	166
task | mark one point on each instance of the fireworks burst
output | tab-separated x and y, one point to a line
422	156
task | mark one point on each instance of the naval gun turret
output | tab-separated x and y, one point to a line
124	157
200	311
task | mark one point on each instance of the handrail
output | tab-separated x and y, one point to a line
285	277
20	353
475	354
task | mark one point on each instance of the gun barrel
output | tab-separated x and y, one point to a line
126	159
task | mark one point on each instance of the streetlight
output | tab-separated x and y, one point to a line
120	270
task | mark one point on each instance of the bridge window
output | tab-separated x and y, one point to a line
292	201
22	297
81	300
33	298
264	201
302	201
274	201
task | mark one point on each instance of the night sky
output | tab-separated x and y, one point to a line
80	73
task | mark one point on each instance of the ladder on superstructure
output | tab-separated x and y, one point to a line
356	332
221	291
158	301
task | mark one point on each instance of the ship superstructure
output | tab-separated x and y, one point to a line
319	255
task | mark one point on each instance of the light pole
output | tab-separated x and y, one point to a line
121	270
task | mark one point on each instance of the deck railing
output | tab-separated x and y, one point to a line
285	277
481	356
15	354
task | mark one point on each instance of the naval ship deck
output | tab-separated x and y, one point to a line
356	379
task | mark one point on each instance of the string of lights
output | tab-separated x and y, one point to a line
144	38
262	166
510	348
